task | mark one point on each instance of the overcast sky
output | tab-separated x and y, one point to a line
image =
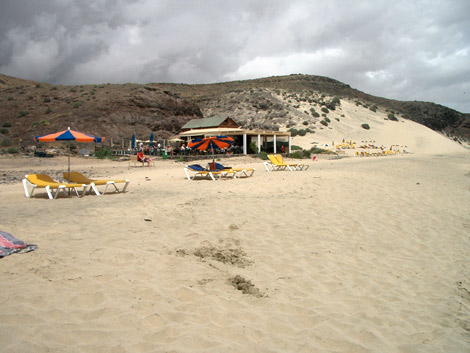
406	50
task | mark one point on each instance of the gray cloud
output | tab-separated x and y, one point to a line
407	50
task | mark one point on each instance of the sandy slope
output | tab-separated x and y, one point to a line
352	255
407	134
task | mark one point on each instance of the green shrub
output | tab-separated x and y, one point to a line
48	111
45	122
36	124
317	150
12	150
46	100
104	152
302	132
7	124
253	147
6	142
373	108
305	122
263	155
4	130
296	154
336	101
392	117
10	98
365	126
325	110
22	114
77	104
295	147
323	122
294	132
327	120
315	115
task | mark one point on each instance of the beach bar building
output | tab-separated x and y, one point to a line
265	140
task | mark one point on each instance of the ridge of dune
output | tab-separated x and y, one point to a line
345	124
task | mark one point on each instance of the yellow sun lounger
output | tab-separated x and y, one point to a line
80	178
34	181
298	166
276	163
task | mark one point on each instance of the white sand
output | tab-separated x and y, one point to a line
352	255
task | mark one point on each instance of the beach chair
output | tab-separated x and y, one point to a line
34	181
298	166
274	164
93	183
247	172
199	170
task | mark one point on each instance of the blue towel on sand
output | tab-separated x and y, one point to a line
9	245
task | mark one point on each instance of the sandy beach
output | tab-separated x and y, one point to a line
352	255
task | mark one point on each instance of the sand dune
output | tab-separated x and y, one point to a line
352	255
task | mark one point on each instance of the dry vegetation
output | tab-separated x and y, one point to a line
298	102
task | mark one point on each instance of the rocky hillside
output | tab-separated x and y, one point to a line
282	101
31	108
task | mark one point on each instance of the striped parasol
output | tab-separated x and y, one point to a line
68	135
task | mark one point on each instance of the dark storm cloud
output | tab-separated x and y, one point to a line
409	50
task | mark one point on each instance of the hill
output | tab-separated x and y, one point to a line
301	102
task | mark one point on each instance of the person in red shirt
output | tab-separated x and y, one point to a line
143	159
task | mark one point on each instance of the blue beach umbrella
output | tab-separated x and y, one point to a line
133	141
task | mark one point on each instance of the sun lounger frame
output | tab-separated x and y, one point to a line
50	186
93	183
274	164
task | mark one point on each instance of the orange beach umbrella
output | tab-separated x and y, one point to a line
68	135
213	142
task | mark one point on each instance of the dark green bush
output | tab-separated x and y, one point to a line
104	152
7	124
327	120
253	147
392	117
315	115
6	142
46	100
305	122
294	132
263	155
373	108
325	110
336	101
323	122
296	154
22	114
365	126
4	130
317	150
12	150
302	132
